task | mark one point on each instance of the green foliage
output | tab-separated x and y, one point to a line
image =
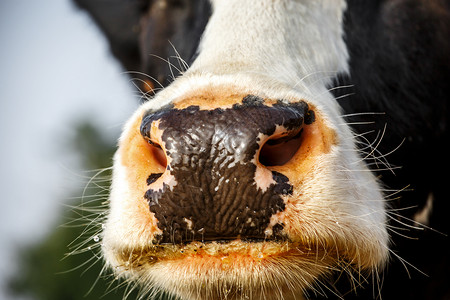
46	271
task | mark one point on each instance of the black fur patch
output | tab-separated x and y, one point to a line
400	70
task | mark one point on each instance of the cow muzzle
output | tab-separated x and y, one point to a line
216	177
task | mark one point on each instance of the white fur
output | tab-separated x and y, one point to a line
289	41
276	49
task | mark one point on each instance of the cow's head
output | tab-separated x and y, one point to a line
241	179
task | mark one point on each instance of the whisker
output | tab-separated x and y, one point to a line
145	75
183	64
171	65
362	114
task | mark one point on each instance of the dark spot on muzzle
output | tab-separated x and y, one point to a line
153	177
213	158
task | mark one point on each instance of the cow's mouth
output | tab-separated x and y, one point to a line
221	255
230	269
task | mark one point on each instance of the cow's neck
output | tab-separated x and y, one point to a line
290	41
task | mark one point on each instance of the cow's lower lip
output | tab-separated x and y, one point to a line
229	254
213	270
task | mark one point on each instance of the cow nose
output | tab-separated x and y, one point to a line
217	183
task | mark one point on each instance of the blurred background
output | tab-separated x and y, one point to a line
63	101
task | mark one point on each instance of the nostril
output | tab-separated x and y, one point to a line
279	150
152	135
158	154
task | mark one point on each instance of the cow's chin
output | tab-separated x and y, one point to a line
230	270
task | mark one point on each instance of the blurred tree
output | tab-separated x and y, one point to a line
67	264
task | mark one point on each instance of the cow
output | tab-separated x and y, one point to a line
284	149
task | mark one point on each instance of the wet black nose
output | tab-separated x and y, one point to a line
217	184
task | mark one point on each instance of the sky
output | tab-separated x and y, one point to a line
55	69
